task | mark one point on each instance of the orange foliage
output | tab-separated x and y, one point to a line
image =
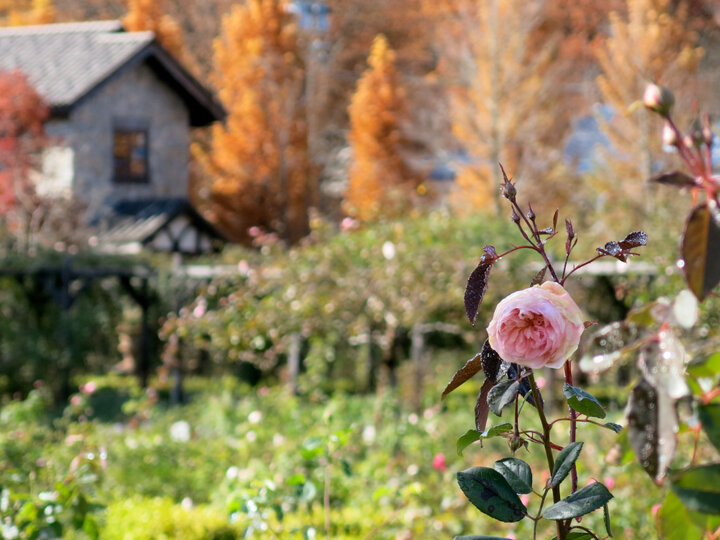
652	42
34	12
258	158
148	15
380	179
508	100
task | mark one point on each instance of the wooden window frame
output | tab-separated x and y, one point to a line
125	125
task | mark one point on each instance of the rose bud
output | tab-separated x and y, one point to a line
669	136
658	99
537	327
509	191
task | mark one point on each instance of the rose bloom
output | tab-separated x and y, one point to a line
536	327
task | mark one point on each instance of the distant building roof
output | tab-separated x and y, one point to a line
67	62
164	224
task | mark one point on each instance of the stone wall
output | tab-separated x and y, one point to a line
135	94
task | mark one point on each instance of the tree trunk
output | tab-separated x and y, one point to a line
294	362
417	355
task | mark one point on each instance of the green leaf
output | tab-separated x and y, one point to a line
583	402
564	462
698	488
707	367
516	472
296	480
309	491
473	435
606	519
617	428
491	494
710	419
700	245
312	448
464	374
502	394
674	521
475	537
581	502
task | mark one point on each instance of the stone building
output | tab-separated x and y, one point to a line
121	113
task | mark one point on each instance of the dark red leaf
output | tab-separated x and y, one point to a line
465	373
633	240
481	406
478	282
570	236
555	219
674	178
700	252
569	229
652	426
613	249
493	366
539	277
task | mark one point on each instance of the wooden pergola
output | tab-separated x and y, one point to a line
65	282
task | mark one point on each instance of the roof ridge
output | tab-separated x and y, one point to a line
102	26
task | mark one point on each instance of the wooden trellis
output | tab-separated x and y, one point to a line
64	283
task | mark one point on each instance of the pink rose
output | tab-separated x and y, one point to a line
536	327
439	462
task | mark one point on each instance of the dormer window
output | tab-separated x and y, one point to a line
130	152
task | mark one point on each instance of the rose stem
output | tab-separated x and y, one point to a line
546	443
573	424
540	248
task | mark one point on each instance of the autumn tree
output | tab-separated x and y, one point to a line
506	97
652	42
22	139
380	179
148	15
258	157
29	12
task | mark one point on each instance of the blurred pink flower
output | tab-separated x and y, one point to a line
541	382
73	438
263	391
536	327
88	388
609	482
348	224
439	462
525	499
76	400
655	509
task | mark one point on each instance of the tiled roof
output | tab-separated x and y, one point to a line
140	220
65	61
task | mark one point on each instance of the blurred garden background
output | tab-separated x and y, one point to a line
235	238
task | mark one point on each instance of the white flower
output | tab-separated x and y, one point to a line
255	417
388	250
232	473
180	431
